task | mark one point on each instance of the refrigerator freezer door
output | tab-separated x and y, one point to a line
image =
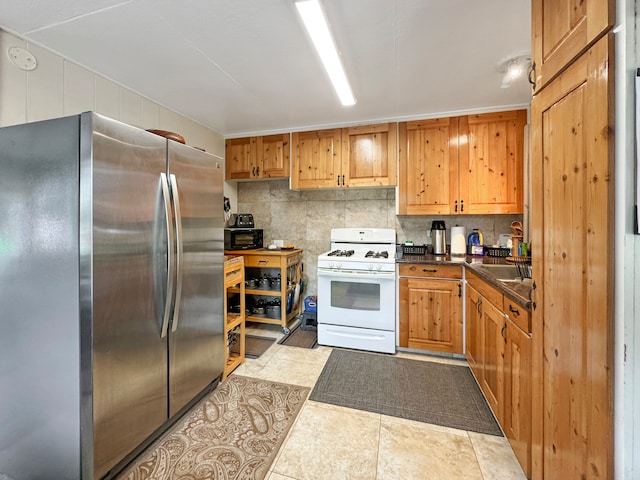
121	215
39	344
197	345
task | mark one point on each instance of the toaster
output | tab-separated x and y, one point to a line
242	220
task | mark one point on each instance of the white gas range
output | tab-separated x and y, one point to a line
357	290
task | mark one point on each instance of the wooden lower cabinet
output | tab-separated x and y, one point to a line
499	354
431	308
492	383
474	337
516	413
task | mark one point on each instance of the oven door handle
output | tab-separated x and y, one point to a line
357	274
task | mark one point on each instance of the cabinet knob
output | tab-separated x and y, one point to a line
461	206
455	209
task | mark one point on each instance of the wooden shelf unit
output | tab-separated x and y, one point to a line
234	282
288	264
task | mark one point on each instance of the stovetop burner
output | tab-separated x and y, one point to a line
372	254
341	253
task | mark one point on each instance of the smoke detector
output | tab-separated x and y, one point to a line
22	58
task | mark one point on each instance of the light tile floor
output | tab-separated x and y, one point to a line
331	442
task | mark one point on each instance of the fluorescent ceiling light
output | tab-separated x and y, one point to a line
316	24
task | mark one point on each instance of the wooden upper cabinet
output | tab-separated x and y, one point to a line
273	155
369	156
316	159
562	29
362	156
491	162
240	158
428	166
257	157
462	165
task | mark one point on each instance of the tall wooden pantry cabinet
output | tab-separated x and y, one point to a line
572	240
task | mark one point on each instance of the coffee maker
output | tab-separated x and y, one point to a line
439	237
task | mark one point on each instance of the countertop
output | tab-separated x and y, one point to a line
520	292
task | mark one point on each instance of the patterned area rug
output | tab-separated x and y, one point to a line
234	433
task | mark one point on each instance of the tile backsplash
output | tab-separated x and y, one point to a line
305	218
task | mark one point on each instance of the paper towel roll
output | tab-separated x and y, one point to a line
458	241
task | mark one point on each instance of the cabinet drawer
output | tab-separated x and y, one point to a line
264	262
430	271
518	314
486	290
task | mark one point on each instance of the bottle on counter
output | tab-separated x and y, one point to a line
475	242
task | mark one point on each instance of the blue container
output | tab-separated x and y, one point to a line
311	304
475	242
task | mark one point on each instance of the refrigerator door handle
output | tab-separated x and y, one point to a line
178	226
171	264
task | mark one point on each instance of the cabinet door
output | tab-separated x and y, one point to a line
273	155
491	163
428	166
369	156
494	325
317	159
474	329
572	228
562	29
432	312
517	394
240	158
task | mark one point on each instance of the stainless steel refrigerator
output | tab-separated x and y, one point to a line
111	284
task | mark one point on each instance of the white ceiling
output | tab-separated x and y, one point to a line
247	66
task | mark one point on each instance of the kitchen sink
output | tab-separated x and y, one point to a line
504	273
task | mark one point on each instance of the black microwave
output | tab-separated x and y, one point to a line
242	238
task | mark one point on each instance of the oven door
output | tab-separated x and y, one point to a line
357	298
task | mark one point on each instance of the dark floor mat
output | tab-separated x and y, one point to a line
300	338
424	391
